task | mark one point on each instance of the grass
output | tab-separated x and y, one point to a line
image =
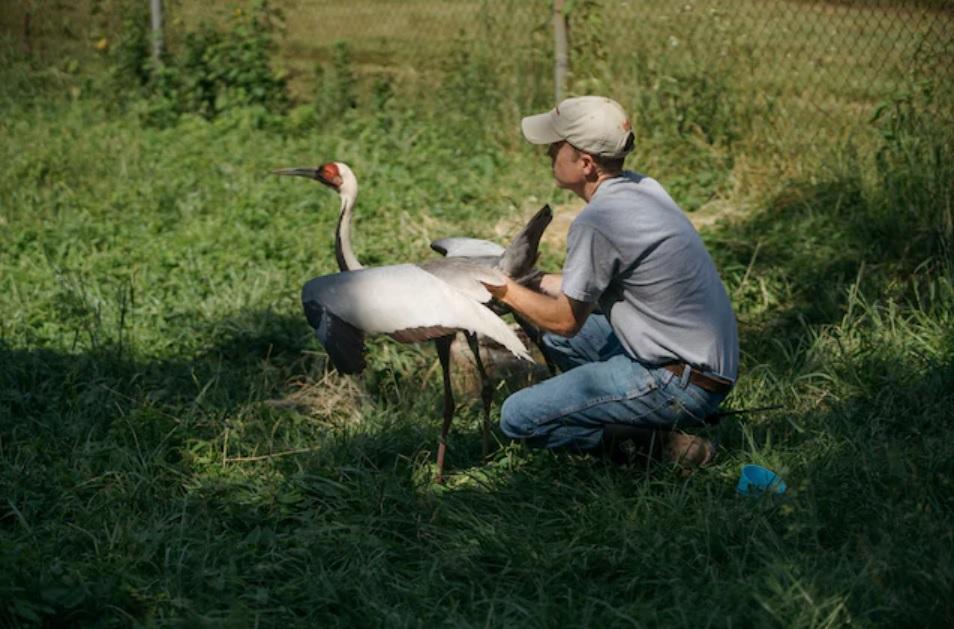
174	452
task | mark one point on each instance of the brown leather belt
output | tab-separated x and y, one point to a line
711	384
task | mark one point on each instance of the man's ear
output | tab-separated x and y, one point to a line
590	169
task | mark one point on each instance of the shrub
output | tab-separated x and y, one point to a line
216	70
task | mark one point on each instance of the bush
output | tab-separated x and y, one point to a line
216	70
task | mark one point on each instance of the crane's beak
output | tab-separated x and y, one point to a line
311	173
318	174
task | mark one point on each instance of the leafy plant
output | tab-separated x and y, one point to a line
216	70
586	31
132	66
915	166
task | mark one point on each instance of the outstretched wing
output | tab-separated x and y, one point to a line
516	260
466	275
467	248
410	303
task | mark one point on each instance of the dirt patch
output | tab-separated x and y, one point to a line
334	399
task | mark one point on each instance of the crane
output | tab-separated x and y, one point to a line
412	303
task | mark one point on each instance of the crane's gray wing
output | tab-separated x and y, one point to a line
467	248
466	275
520	256
410	304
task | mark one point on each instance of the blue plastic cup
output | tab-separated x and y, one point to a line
756	480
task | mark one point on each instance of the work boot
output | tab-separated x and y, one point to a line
687	451
631	445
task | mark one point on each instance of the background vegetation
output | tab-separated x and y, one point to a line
173	450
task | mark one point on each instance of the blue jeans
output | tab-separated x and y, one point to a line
600	385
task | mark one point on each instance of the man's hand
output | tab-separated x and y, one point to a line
499	292
546	283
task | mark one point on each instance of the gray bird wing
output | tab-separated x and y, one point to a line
410	304
521	255
466	275
467	248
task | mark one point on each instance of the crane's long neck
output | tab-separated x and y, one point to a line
344	252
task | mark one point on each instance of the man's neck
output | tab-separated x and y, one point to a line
590	187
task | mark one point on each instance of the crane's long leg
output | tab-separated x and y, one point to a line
537	337
486	390
443	353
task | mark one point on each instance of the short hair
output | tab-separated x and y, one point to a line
609	164
612	165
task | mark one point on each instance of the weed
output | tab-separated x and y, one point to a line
335	90
914	162
586	25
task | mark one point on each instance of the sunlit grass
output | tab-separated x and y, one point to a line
173	450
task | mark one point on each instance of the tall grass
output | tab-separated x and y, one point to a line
173	450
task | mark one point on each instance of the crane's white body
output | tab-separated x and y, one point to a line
409	303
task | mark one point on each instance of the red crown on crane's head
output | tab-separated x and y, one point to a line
329	175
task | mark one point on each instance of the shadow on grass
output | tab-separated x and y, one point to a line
121	505
110	462
810	249
108	382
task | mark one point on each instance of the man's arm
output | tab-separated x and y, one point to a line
550	310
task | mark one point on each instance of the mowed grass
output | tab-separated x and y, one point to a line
174	451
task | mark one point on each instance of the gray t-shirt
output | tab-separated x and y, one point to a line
634	251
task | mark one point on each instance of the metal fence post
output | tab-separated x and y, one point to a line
156	12
561	55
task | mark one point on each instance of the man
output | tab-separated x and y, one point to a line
639	321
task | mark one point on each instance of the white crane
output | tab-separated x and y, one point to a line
412	302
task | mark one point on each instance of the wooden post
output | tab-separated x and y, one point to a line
27	36
156	11
561	55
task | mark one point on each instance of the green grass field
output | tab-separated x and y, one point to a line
173	451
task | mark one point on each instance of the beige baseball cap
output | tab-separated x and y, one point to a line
595	124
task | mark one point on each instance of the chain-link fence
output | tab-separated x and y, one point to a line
818	58
820	62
